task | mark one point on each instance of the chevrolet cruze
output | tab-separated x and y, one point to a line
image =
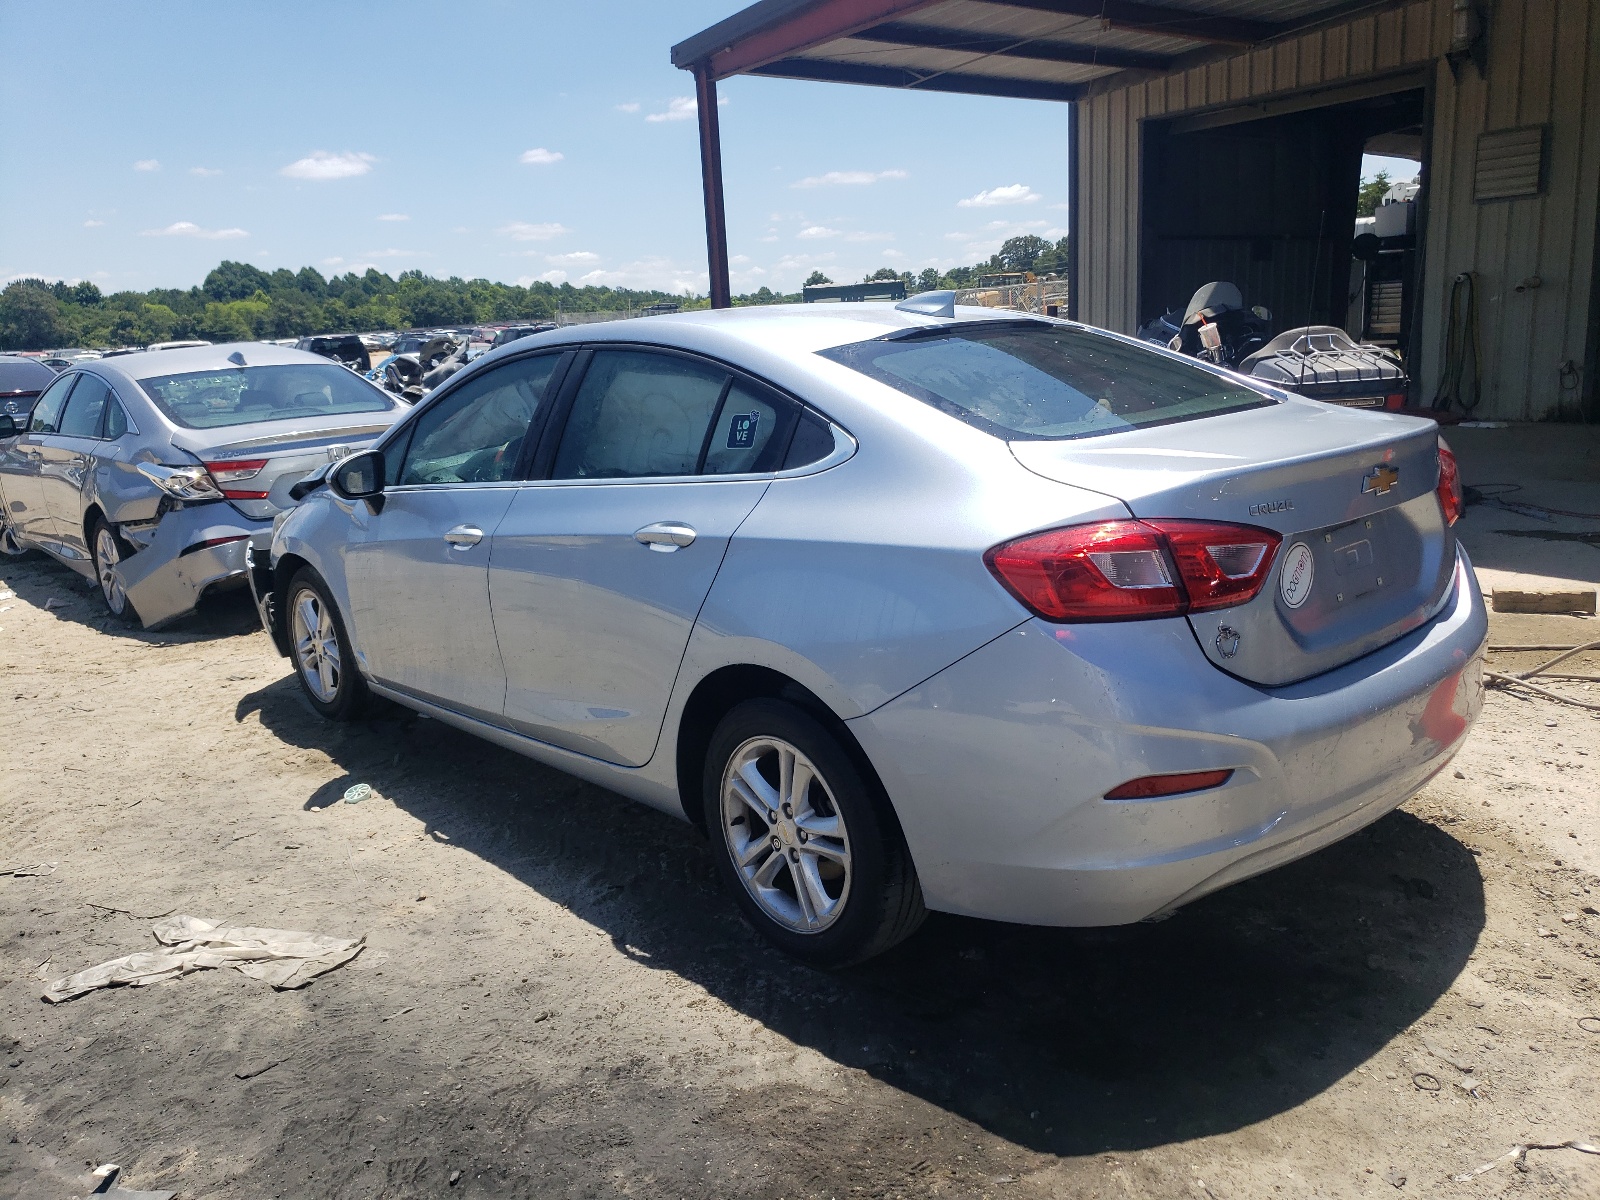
908	608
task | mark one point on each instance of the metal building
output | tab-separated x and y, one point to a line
1222	139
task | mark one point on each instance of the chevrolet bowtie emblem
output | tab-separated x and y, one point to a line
1380	480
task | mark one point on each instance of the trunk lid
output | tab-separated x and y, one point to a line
1366	554
290	454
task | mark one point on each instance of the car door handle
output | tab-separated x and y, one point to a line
666	536
463	536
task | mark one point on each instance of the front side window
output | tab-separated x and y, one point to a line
1032	380
476	434
47	412
86	409
247	395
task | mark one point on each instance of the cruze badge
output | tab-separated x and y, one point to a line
1380	481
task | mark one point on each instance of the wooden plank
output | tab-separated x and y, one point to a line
1544	600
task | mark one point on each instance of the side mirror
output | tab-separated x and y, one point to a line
359	477
8	425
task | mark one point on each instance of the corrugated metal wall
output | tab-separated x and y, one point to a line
1543	66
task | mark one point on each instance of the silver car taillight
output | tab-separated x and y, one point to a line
184	483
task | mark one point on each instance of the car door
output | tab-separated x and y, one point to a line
69	457
24	463
417	568
599	569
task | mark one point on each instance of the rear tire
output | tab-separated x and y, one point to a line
807	845
108	548
319	647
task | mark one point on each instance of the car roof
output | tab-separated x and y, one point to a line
785	328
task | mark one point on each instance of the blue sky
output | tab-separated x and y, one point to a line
143	143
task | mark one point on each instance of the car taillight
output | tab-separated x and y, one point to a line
1131	570
1449	484
229	473
1394	401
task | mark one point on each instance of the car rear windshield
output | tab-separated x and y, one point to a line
1034	381
24	377
245	395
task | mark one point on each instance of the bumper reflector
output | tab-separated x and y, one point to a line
1148	786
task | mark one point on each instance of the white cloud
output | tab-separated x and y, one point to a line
657	273
832	178
205	172
1014	227
540	157
862	236
679	108
323	165
817	231
397	254
1015	193
91	223
523	231
577	258
190	229
332	262
393	217
147	164
631	107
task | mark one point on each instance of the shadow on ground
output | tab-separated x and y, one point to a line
37	579
1065	1041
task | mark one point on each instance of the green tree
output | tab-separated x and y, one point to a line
928	281
1020	253
816	279
31	317
235	281
1371	194
882	273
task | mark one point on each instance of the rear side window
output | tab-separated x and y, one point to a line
1029	380
86	409
639	414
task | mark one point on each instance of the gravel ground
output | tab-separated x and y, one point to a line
556	1000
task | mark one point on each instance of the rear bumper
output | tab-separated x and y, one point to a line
193	549
997	766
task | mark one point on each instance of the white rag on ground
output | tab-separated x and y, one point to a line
282	957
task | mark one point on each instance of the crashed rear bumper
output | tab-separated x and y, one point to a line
194	548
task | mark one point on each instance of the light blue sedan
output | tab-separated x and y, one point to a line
908	607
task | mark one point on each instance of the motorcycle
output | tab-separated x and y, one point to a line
1320	362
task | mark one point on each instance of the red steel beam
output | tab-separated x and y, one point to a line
705	93
815	27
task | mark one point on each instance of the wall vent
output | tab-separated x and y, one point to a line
1510	163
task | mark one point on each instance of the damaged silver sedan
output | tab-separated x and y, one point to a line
150	472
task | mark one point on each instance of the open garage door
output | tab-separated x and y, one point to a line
1266	203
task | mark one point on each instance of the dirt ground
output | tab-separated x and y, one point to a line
555	1000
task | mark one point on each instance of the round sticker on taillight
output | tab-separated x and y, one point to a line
1294	584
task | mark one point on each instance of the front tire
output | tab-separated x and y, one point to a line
807	845
320	649
109	549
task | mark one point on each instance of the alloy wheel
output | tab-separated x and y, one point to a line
316	645
107	561
786	835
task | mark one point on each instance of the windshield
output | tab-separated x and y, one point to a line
24	376
1029	380
245	395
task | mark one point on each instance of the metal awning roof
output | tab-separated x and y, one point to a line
1039	49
